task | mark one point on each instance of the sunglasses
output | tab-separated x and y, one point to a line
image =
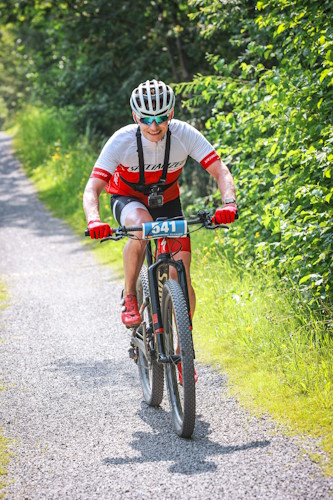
158	119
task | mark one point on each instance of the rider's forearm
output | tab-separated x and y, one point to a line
226	184
91	204
91	196
224	180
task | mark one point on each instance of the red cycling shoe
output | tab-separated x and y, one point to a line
180	374
130	315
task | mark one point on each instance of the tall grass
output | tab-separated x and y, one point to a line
278	355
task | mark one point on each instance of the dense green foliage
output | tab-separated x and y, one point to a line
272	123
90	55
14	84
256	79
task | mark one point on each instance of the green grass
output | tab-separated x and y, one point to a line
4	453
277	354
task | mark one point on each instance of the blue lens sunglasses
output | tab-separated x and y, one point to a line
148	120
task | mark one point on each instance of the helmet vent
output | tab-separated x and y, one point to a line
152	98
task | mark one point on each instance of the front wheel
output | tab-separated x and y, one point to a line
178	340
150	372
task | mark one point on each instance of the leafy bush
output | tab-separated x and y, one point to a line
272	124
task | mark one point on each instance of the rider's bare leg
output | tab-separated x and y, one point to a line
186	258
134	250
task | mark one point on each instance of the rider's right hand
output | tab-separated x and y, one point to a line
98	229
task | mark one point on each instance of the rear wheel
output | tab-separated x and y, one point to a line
150	372
178	340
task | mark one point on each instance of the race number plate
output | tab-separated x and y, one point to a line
164	229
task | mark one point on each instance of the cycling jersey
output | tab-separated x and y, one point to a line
119	159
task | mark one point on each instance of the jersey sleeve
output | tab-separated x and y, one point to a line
198	147
107	161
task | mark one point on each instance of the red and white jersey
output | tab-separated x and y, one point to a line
119	158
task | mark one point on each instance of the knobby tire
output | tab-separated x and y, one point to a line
177	330
150	372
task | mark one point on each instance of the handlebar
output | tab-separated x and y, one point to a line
163	227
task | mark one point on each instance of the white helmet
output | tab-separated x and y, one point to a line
144	103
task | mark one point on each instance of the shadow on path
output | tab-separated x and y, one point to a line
186	456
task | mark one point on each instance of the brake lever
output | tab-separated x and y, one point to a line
216	226
114	238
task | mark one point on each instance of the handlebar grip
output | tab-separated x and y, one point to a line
87	233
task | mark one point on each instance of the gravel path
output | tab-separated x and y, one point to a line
73	406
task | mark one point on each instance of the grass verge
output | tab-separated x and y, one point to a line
4	454
277	354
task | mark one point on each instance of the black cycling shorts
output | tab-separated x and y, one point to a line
171	209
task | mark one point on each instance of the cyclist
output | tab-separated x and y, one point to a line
140	166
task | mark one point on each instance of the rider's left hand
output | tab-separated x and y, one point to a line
226	214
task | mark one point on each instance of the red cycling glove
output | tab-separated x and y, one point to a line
98	229
225	215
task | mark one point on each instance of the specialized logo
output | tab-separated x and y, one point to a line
162	278
163	245
153	167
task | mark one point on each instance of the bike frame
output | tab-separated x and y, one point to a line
164	259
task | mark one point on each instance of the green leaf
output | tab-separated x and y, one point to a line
260	5
324	74
328	197
304	279
274	169
291	153
273	149
282	27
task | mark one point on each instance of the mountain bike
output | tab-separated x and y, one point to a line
162	345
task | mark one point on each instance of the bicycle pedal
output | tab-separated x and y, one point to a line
132	354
